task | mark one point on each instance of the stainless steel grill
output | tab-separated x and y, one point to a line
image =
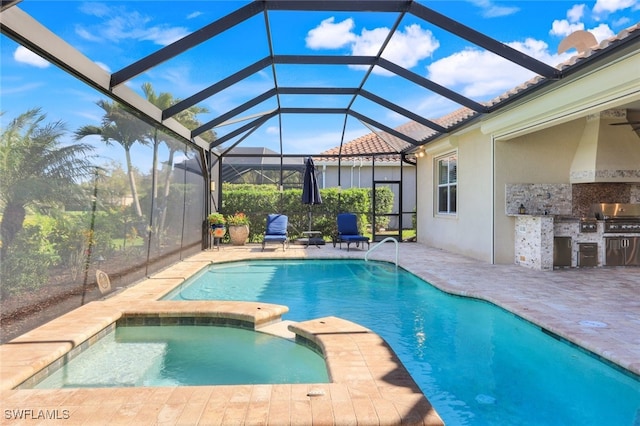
622	225
618	217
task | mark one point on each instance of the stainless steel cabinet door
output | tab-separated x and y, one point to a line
631	251
614	251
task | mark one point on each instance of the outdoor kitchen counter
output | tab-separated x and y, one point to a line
535	235
534	239
608	236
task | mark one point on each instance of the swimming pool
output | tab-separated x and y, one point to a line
188	355
477	364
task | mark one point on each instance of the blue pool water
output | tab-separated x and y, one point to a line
185	355
477	364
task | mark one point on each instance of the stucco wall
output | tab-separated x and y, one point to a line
543	157
469	232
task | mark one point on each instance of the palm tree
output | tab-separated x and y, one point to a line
122	127
36	169
188	119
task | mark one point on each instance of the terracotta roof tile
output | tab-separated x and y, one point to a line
365	146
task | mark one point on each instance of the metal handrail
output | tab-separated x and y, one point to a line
377	245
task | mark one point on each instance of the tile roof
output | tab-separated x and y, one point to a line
363	147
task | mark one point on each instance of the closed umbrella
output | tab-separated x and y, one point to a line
310	189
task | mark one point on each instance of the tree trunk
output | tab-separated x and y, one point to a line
132	182
167	189
12	221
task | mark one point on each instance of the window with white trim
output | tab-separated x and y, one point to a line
447	184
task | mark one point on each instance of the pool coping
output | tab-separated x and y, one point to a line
368	383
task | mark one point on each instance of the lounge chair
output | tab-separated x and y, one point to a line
348	231
276	231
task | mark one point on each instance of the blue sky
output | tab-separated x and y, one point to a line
116	33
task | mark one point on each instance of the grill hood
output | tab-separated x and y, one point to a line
608	153
615	211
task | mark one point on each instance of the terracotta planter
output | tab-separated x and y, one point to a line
238	234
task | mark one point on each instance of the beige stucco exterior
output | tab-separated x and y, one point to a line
469	231
534	142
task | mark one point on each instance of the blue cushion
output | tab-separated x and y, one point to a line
347	224
348	238
277	224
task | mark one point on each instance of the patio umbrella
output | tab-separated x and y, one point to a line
310	189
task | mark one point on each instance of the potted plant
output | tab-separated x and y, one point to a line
216	223
238	228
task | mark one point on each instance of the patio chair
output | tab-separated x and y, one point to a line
348	231
276	231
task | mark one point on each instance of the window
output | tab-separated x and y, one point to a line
447	183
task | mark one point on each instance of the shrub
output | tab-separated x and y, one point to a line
25	267
256	201
216	219
238	218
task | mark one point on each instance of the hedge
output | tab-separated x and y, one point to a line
257	201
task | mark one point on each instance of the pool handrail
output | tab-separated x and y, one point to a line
366	255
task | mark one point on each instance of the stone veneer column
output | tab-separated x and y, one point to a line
534	242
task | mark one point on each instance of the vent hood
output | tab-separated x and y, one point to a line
606	152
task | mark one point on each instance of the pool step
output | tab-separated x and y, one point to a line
280	329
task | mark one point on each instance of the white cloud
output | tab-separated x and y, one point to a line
6	89
331	35
193	15
482	75
272	130
602	32
122	24
97	9
563	27
622	21
490	10
406	48
86	34
576	13
164	35
610	6
25	56
368	43
567	26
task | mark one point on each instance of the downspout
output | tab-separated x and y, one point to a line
353	165
405	160
493	200
324	176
